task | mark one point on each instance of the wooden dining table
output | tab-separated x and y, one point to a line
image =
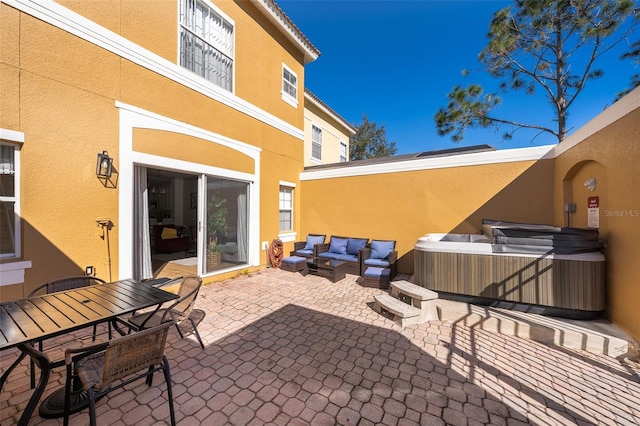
26	321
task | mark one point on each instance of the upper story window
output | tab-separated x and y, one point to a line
207	42
289	86
316	143
343	152
9	197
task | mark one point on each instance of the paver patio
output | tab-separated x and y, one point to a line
285	349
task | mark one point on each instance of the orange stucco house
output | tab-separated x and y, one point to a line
191	103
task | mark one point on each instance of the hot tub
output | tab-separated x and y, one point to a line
470	268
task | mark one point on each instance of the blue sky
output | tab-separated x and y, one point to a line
396	61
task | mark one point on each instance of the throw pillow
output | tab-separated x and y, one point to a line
338	245
312	240
381	249
354	245
169	233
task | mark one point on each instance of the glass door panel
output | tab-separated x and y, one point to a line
226	224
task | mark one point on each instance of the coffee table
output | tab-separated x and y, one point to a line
334	270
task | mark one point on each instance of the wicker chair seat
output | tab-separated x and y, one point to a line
187	289
124	360
151	319
90	371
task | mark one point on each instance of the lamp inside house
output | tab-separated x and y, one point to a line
104	165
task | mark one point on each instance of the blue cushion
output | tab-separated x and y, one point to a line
377	263
354	245
312	240
338	256
381	249
294	259
376	272
338	245
304	251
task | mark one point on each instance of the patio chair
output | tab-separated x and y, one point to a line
380	254
308	248
187	289
62	284
122	361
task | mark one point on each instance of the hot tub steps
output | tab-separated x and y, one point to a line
595	336
408	303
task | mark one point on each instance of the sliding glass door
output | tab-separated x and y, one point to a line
225	229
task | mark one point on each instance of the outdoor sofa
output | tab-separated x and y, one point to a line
346	249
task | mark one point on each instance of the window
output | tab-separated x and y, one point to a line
316	143
286	208
343	152
9	229
289	86
206	43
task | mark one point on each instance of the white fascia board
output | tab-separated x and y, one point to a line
277	17
73	23
624	106
462	160
348	127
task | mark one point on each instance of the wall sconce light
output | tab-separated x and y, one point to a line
104	165
591	184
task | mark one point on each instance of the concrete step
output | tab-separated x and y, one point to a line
595	336
412	290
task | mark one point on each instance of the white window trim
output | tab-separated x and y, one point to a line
346	151
12	272
225	17
315	159
285	96
79	26
287	236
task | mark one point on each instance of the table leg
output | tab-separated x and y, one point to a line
43	362
5	375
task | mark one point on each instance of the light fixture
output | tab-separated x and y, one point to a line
591	184
104	165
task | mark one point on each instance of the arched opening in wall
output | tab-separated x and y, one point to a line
584	195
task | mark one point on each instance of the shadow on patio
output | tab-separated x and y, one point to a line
287	349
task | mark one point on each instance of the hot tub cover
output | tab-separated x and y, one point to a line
513	237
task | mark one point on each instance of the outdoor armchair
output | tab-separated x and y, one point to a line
308	248
111	365
380	254
187	289
62	284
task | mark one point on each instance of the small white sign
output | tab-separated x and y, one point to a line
593	212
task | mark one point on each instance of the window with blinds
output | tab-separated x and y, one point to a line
286	208
289	86
207	43
316	143
8	199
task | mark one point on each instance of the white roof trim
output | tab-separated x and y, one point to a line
623	107
461	160
350	129
271	10
73	23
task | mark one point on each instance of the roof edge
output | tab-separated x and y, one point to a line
276	15
311	97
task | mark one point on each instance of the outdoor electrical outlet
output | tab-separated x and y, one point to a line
264	245
88	270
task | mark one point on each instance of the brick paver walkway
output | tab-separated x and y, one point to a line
283	349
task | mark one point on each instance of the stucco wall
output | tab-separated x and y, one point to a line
63	92
611	156
403	206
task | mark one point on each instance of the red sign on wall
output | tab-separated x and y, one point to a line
594	202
